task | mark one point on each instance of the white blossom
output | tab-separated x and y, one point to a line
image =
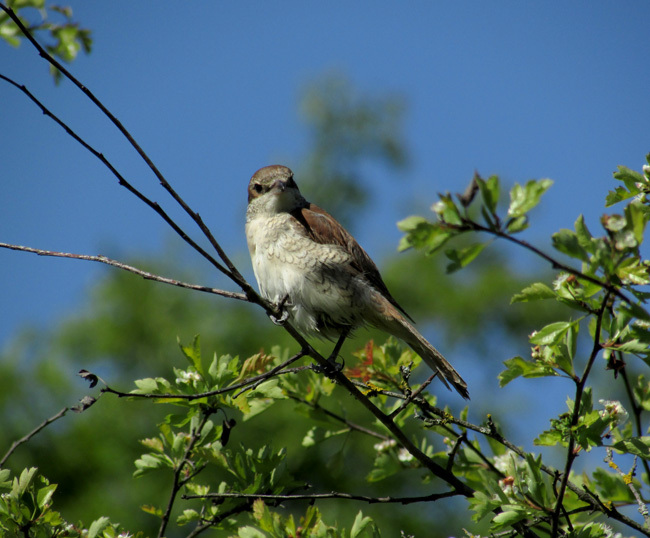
385	445
614	411
188	377
404	455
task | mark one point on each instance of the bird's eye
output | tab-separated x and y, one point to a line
257	187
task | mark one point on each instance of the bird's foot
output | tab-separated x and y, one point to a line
329	368
283	311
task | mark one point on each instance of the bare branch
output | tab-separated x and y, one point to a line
120	265
31	434
332	495
255	380
643	509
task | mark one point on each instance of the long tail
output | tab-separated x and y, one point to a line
433	357
387	317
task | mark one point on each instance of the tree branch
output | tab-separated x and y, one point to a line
610	288
339	418
575	416
643	509
332	495
31	434
120	265
177	483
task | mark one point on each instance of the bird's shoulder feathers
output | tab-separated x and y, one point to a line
320	226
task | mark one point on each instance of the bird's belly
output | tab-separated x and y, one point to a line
323	296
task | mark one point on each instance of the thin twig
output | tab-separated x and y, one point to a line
454	449
253	382
643	509
332	495
575	416
120	265
197	396
177	483
636	409
339	418
31	434
610	288
410	397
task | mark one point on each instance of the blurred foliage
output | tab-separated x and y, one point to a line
348	129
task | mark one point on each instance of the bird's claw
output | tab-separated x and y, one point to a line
330	368
284	312
284	316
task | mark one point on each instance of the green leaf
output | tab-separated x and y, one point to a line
583	234
188	516
637	215
462	257
411	223
360	524
447	211
508	517
612	487
637	446
629	177
534	292
250	532
385	465
44	495
193	354
548	438
21	484
489	192
523	199
98	526
517	224
424	235
519	367
566	241
618	195
633	271
552	333
146	385
20	4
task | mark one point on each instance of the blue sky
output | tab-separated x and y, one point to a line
211	91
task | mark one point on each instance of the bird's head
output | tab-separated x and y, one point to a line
273	190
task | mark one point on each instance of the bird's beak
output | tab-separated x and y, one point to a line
279	185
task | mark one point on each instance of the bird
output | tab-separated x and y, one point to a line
316	273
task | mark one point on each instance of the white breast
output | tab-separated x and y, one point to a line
291	265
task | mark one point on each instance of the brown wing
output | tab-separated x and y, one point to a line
324	229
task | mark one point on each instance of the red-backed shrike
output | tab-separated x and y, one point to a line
307	262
